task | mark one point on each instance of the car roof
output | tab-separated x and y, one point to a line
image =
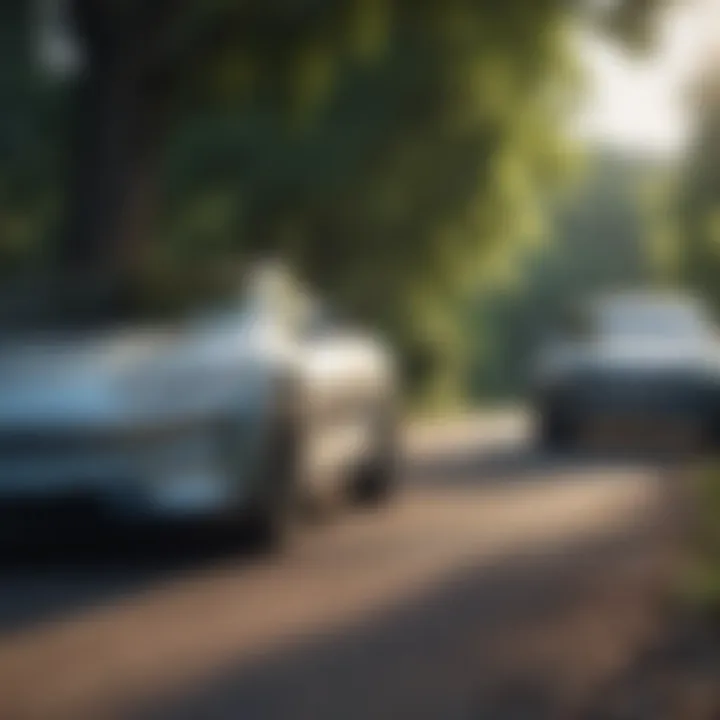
644	298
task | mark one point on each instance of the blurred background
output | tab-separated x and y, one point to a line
453	172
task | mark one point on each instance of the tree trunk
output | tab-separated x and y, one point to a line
118	122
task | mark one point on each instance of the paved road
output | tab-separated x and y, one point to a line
500	584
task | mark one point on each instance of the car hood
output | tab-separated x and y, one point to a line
135	376
37	357
71	377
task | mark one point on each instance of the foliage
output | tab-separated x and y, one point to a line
632	21
702	579
31	128
697	206
388	146
412	169
698	200
598	243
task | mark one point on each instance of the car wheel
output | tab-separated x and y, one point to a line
376	479
269	522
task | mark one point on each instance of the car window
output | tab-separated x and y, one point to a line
652	321
321	322
576	324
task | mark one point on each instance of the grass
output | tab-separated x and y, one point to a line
702	582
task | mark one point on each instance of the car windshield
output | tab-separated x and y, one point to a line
265	292
650	320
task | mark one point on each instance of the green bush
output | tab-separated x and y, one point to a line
702	583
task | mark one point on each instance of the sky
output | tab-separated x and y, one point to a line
637	102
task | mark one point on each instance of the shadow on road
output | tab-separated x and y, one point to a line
60	576
54	577
526	639
513	463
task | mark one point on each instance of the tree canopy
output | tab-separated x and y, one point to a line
600	243
385	145
698	199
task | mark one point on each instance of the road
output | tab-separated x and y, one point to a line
499	584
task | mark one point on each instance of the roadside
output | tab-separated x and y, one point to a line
677	677
502	585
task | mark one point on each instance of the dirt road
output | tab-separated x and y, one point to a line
500	584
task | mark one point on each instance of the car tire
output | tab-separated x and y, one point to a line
375	481
270	521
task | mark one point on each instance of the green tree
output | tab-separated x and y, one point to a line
387	145
31	130
144	59
698	200
597	241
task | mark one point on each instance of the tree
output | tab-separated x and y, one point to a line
599	243
698	199
142	60
141	56
386	144
31	131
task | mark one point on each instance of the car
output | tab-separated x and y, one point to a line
239	415
636	366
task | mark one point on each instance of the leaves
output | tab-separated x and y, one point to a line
389	146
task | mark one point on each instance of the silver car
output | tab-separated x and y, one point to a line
240	414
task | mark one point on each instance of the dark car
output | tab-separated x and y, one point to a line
635	367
